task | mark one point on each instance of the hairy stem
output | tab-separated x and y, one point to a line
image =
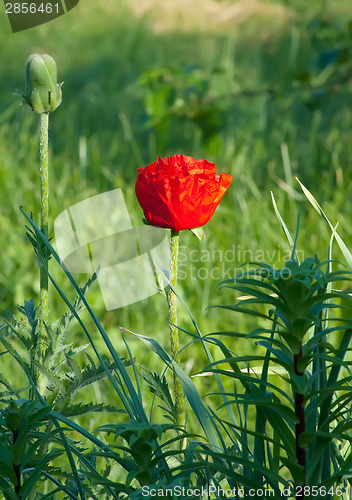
44	221
175	345
301	424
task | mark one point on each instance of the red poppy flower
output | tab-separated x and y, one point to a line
179	192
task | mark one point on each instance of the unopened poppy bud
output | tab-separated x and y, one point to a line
43	93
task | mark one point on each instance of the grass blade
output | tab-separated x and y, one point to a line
189	388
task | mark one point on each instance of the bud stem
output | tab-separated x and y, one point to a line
175	345
44	221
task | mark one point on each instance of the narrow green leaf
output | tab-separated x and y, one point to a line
133	400
188	386
343	247
283	226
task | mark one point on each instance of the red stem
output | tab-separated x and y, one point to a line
16	467
301	424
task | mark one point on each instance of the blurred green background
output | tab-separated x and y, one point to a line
262	89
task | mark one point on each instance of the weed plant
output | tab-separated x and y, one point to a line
104	425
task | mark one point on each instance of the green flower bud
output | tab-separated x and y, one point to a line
14	413
301	290
43	93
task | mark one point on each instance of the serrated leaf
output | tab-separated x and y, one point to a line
158	386
83	409
74	366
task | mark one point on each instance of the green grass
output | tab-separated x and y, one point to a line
100	135
103	108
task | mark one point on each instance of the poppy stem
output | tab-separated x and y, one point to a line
44	221
175	345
